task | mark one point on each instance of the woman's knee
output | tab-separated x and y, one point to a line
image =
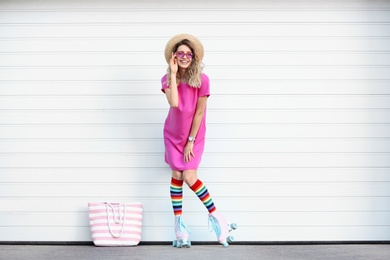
177	175
190	177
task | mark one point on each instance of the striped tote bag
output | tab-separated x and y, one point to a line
115	224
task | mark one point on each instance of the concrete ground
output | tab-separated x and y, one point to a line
214	252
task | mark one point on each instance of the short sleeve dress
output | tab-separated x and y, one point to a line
178	124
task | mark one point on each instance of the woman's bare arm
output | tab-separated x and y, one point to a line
171	92
196	121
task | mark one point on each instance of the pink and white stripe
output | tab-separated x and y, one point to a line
100	227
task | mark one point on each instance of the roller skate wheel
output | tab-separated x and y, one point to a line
181	243
225	244
233	226
186	244
230	239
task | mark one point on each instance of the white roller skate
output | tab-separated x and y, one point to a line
222	228
182	233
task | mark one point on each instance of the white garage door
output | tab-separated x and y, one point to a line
298	121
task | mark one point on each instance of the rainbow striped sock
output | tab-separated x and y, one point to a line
177	196
201	191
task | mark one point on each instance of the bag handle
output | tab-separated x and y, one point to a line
108	205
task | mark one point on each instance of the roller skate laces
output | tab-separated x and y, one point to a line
182	231
221	228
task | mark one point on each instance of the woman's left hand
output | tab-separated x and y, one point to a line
189	152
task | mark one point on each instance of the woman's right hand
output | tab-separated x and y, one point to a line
173	64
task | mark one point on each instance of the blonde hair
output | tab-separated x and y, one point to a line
193	76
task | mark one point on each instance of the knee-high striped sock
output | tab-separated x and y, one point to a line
201	191
177	196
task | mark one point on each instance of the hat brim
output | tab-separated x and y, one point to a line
198	47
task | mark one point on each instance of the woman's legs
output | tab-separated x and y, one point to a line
190	177
176	191
219	223
181	229
197	186
176	188
177	175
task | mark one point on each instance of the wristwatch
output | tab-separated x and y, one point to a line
191	139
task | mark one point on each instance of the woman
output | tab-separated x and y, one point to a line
187	89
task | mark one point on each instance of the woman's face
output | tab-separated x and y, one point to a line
184	56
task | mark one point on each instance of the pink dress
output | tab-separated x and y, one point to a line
177	126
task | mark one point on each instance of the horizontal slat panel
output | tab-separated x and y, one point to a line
326	58
297	44
22	233
377	145
298	160
218	72
299	87
158	101
211	160
132	131
210	175
298	102
266	219
263	233
150	44
241	58
361	233
202	29
193	205
80	88
298	130
25	117
300	116
161	175
359	189
71	73
73	102
117	5
297	72
82	117
214	131
218	87
169	15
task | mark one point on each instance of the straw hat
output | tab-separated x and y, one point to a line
198	47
